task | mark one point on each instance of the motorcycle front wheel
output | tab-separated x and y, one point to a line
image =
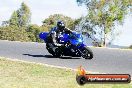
87	53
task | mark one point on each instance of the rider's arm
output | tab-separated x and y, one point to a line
54	38
68	31
53	35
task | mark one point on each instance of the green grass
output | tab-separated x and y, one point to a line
16	74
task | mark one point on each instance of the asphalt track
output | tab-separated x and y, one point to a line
113	61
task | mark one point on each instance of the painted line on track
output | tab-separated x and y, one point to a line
111	48
66	68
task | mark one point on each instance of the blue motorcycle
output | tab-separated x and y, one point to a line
72	46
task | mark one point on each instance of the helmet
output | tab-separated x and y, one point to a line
60	25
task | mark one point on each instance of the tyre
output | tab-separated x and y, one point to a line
81	80
87	53
57	53
49	49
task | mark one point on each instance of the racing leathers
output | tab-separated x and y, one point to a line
53	36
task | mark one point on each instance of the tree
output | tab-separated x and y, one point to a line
14	19
5	23
24	15
44	28
33	32
104	14
15	29
21	17
52	19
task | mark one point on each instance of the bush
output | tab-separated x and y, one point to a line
130	46
13	34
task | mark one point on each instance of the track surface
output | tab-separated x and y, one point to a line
105	60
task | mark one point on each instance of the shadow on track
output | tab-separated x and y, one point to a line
50	56
69	57
47	56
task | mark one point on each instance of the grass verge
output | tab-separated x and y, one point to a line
17	74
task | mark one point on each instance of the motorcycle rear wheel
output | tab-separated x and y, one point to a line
57	53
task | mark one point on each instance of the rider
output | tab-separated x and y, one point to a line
53	36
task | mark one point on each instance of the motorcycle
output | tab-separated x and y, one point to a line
72	46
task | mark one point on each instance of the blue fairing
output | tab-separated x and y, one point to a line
74	38
43	35
81	46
